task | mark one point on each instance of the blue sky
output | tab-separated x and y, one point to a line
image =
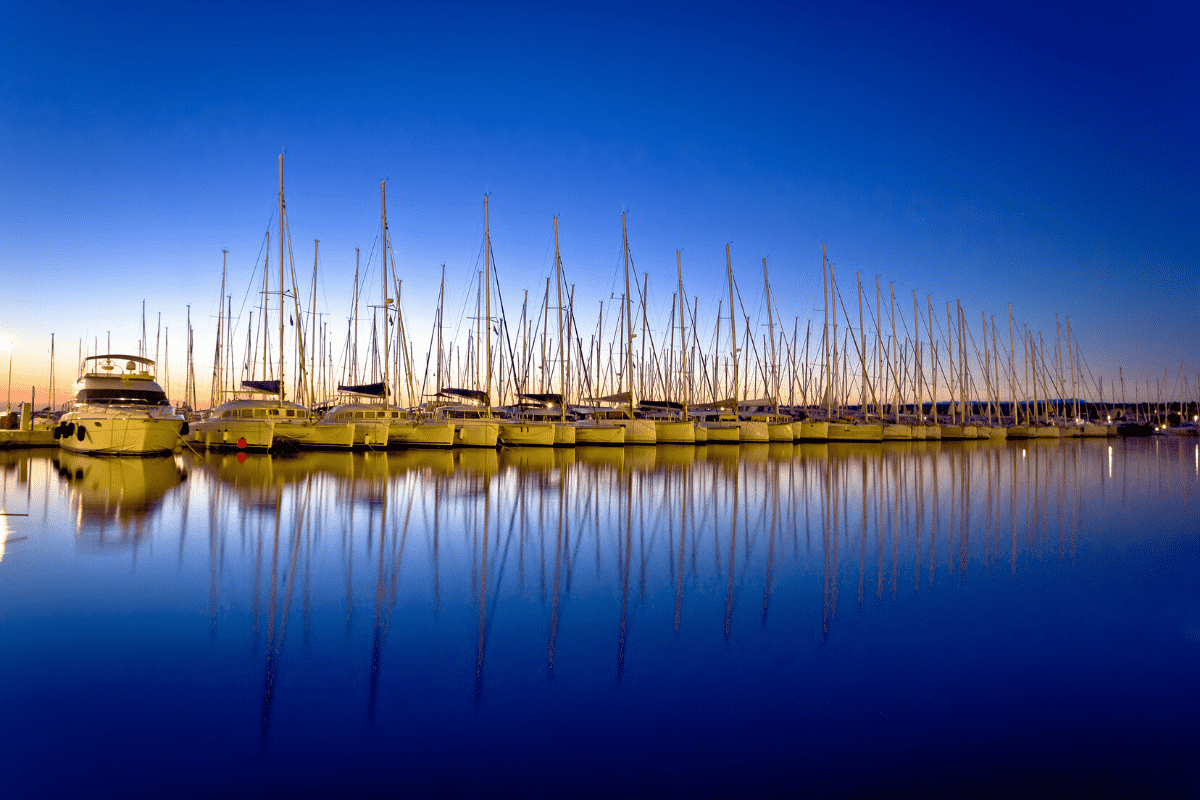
1043	155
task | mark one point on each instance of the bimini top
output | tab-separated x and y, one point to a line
116	365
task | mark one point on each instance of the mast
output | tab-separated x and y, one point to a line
920	412
685	394
218	361
354	340
282	387
732	330
441	303
862	349
771	327
562	345
1012	363
384	248
487	279
628	316
932	357
1071	361
894	360
825	368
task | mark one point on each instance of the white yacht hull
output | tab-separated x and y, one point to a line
237	434
120	435
526	434
422	433
590	433
673	431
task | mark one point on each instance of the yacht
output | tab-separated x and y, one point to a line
119	409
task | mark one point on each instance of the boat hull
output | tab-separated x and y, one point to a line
476	433
721	432
124	436
589	433
753	432
526	434
674	431
420	434
811	431
303	435
780	432
233	434
638	431
855	432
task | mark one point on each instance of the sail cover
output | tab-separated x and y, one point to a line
368	389
270	387
467	394
550	399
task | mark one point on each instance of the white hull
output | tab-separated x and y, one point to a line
674	431
810	431
855	432
638	431
238	434
780	432
421	433
526	434
304	435
591	433
564	434
721	432
119	435
476	432
753	431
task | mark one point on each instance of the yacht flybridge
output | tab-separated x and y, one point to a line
119	409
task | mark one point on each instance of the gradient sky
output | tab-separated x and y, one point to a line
1032	153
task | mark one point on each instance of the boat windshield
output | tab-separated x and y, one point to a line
122	397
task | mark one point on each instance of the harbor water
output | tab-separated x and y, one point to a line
944	619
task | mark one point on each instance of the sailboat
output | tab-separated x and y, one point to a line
474	423
637	429
289	424
379	424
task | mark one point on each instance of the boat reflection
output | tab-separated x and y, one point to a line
618	546
112	500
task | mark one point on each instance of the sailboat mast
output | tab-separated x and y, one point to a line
862	349
441	303
282	387
685	394
628	315
487	310
562	344
825	336
384	248
1071	362
932	357
732	328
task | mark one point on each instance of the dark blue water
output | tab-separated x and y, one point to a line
962	620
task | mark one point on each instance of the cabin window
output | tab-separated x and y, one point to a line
291	412
122	397
357	415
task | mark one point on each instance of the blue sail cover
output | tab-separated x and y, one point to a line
467	394
270	387
368	389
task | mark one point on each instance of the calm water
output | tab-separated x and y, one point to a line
954	619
